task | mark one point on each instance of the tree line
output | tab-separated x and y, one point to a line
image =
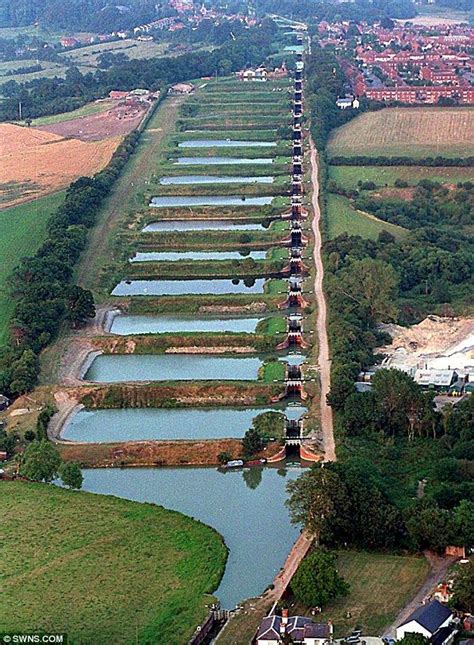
47	96
390	438
361	160
42	287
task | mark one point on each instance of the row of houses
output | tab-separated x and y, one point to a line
433	620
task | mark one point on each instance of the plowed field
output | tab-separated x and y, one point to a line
411	132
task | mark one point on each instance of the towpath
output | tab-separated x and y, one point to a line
323	357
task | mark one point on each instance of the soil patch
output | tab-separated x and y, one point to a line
116	122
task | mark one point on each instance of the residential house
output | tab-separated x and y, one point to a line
303	631
427	620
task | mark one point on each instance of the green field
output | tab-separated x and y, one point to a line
411	132
86	110
348	176
341	217
50	70
87	57
102	569
22	230
380	586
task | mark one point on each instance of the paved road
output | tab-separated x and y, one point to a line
323	358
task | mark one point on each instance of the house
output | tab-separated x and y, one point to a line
182	88
4	402
438	379
69	42
274	629
427	620
3	455
117	95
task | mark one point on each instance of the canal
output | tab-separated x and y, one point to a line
247	507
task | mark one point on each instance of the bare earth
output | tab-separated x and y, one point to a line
323	359
46	161
118	121
437	342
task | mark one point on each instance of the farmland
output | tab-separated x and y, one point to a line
8	70
22	230
49	585
86	58
413	132
341	217
34	163
347	177
380	586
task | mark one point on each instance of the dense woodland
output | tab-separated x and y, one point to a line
391	437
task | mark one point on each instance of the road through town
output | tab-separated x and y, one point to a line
324	361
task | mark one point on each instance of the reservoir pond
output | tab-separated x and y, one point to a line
246	506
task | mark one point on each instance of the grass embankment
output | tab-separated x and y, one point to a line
348	176
409	132
77	563
380	586
341	217
161	343
279	186
233	269
127	194
239	304
280	166
22	231
172	395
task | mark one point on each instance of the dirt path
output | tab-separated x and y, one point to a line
439	569
128	187
323	358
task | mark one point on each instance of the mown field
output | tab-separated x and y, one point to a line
86	110
411	132
348	176
22	230
102	569
8	70
380	586
340	217
88	56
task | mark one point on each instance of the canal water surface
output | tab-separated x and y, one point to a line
138	424
200	225
210	200
176	256
247	507
224	143
124	324
212	179
185	287
221	161
118	368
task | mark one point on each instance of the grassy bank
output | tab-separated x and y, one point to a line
380	586
50	585
341	217
22	230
